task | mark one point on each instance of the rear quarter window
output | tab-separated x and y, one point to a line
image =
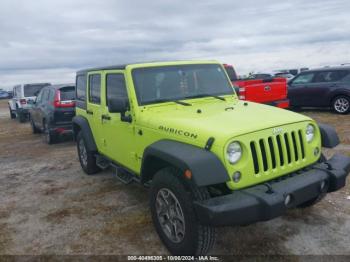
81	87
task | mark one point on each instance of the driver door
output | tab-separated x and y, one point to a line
118	136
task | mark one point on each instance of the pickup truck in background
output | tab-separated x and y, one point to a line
271	91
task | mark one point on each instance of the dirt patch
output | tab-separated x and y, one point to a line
49	206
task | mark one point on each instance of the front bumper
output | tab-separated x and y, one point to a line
266	201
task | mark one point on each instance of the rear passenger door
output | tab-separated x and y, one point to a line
43	107
94	109
35	110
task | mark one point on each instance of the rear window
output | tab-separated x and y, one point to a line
33	90
67	93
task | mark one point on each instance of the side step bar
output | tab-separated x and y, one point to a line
123	175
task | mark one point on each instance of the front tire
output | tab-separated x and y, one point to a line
341	104
87	158
171	202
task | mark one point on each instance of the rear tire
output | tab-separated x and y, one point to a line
50	137
171	202
12	114
35	130
87	158
341	104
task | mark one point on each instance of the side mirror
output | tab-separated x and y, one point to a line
120	105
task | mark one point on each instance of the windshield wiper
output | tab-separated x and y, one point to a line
206	95
170	100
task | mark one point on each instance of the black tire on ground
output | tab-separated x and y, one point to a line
21	117
35	130
12	114
341	104
317	199
190	237
49	136
87	158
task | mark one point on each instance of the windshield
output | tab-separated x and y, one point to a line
33	90
165	83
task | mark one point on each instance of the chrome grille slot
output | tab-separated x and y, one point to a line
277	151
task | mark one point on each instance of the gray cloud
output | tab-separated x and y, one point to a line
49	40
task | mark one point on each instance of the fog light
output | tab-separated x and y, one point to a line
316	151
323	186
287	200
236	176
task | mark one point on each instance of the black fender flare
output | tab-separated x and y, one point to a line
206	167
81	123
329	136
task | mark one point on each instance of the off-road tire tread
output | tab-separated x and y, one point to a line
91	167
206	234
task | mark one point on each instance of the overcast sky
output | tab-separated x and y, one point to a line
48	40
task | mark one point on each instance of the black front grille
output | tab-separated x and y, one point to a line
277	151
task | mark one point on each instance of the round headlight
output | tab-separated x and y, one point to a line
234	152
310	133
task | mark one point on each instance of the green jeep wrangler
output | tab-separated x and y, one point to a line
208	158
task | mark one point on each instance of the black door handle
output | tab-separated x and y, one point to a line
89	112
106	117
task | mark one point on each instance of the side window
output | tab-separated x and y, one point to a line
51	95
44	96
346	78
115	85
39	97
95	88
338	75
81	87
303	79
330	76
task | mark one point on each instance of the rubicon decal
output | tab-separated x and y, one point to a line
178	132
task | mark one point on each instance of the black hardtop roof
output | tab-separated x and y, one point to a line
112	67
123	66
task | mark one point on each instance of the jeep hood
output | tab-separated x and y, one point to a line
219	119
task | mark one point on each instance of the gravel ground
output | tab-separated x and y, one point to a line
49	206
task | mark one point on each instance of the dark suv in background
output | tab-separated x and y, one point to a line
325	87
53	111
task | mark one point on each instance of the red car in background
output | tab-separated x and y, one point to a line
271	91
